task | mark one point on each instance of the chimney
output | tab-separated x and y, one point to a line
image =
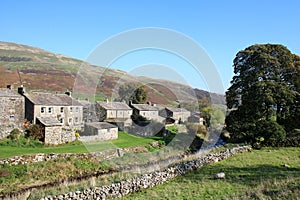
21	90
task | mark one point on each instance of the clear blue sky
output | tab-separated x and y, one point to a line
222	28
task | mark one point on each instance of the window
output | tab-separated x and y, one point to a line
61	120
43	109
12	118
49	110
61	109
76	120
71	109
76	109
70	120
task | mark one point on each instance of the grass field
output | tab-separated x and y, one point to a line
256	175
124	140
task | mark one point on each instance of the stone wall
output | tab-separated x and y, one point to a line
68	134
58	135
41	157
11	113
53	134
148	180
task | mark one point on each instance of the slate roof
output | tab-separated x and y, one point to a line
144	107
100	125
49	121
177	109
5	92
114	105
49	99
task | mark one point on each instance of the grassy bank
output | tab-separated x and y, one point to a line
260	174
18	177
10	148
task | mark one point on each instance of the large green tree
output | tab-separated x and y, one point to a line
263	93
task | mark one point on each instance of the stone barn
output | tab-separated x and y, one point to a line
99	131
54	132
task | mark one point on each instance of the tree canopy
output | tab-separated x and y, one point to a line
134	92
264	95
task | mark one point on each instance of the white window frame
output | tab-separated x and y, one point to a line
50	110
43	110
12	118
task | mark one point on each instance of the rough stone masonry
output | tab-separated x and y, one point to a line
149	180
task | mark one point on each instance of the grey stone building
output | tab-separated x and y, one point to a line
65	109
197	118
176	114
147	111
11	111
113	110
54	132
117	113
99	131
59	115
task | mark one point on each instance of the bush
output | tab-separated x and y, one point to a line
274	135
293	138
35	132
15	134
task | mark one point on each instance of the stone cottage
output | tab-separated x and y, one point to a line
146	110
58	114
99	131
68	111
11	111
117	113
196	118
176	114
114	110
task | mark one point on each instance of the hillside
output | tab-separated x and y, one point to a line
41	70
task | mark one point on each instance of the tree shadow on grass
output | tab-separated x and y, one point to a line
244	175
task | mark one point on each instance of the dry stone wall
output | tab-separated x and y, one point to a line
33	158
148	180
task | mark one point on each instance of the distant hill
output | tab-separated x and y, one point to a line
41	70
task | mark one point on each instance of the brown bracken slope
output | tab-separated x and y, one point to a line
41	70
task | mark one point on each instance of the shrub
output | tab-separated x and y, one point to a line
35	132
272	132
15	134
293	138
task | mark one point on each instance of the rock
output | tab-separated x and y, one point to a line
220	175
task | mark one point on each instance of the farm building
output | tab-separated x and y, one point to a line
99	131
11	111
